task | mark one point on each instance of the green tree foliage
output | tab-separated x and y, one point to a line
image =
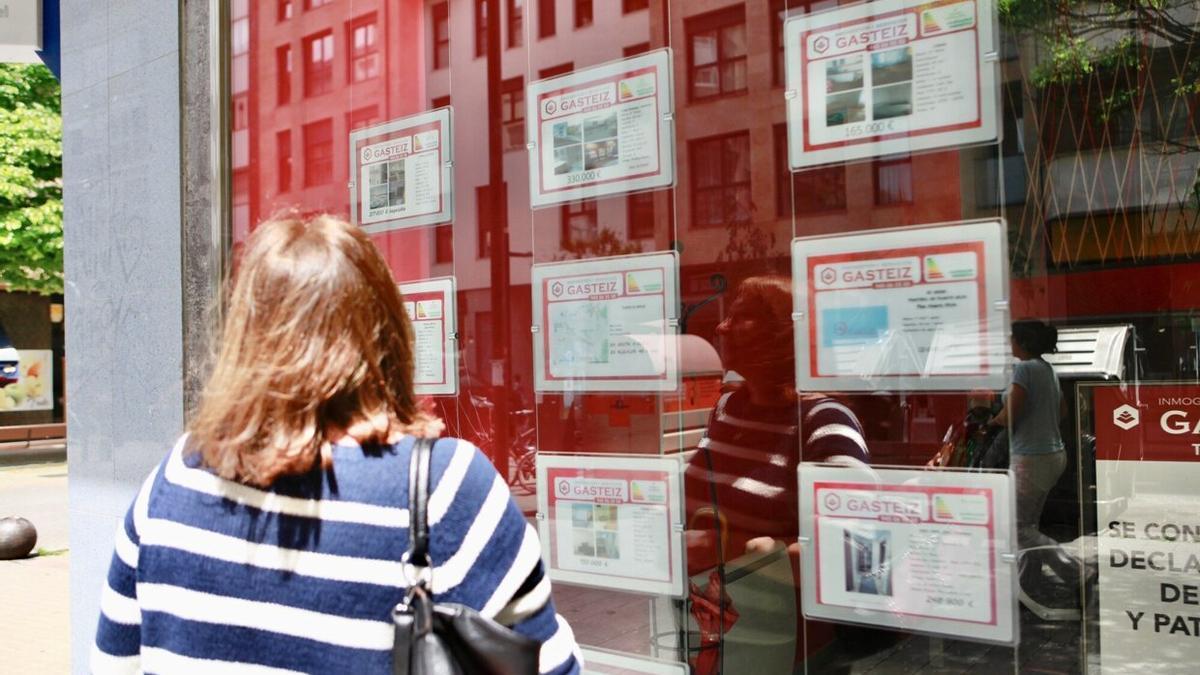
31	242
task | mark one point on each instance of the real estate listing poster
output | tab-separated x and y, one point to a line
909	549
612	521
1148	540
602	130
607	324
431	309
893	76
875	311
401	173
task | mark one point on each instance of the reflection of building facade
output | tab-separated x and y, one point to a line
1095	176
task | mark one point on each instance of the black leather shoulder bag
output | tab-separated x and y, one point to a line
436	638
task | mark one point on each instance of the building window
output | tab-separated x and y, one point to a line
364	49
241	112
363	117
893	181
809	191
313	4
717	54
443	244
480	28
634	50
483	233
318	64
583	13
579	222
512	112
283	148
440	101
318	153
720	178
640	215
283	75
628	6
283	10
516	14
554	71
441	35
546	18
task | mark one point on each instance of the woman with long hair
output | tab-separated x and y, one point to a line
270	539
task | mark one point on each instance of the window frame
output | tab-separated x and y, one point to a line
881	163
284	70
284	10
547	17
309	180
575	208
584	19
369	21
638	5
631	206
440	14
480	18
725	185
787	182
326	69
717	21
515	107
284	172
513	22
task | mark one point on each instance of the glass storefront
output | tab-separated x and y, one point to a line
766	309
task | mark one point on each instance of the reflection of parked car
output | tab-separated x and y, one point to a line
10	360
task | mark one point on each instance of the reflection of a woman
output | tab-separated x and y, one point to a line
745	470
1033	407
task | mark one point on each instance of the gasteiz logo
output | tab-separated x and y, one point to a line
564	486
556	289
820	45
828	275
833	502
1126	417
551	107
366	154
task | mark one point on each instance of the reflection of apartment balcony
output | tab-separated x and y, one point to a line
1118	179
1016	181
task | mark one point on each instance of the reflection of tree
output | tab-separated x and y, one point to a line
605	244
746	241
1110	144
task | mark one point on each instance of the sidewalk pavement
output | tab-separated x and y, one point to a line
34	596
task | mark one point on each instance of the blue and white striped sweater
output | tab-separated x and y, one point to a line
210	575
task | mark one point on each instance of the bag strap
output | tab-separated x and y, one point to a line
418	503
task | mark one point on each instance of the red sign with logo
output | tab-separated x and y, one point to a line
1157	422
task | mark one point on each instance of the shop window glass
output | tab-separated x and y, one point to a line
717	54
283	149
817	190
720	178
512	113
480	28
583	13
364	49
318	64
441	35
515	18
283	75
579	222
628	6
318	153
893	182
546	18
283	10
640	215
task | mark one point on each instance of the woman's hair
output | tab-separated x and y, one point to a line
1034	337
769	298
315	341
